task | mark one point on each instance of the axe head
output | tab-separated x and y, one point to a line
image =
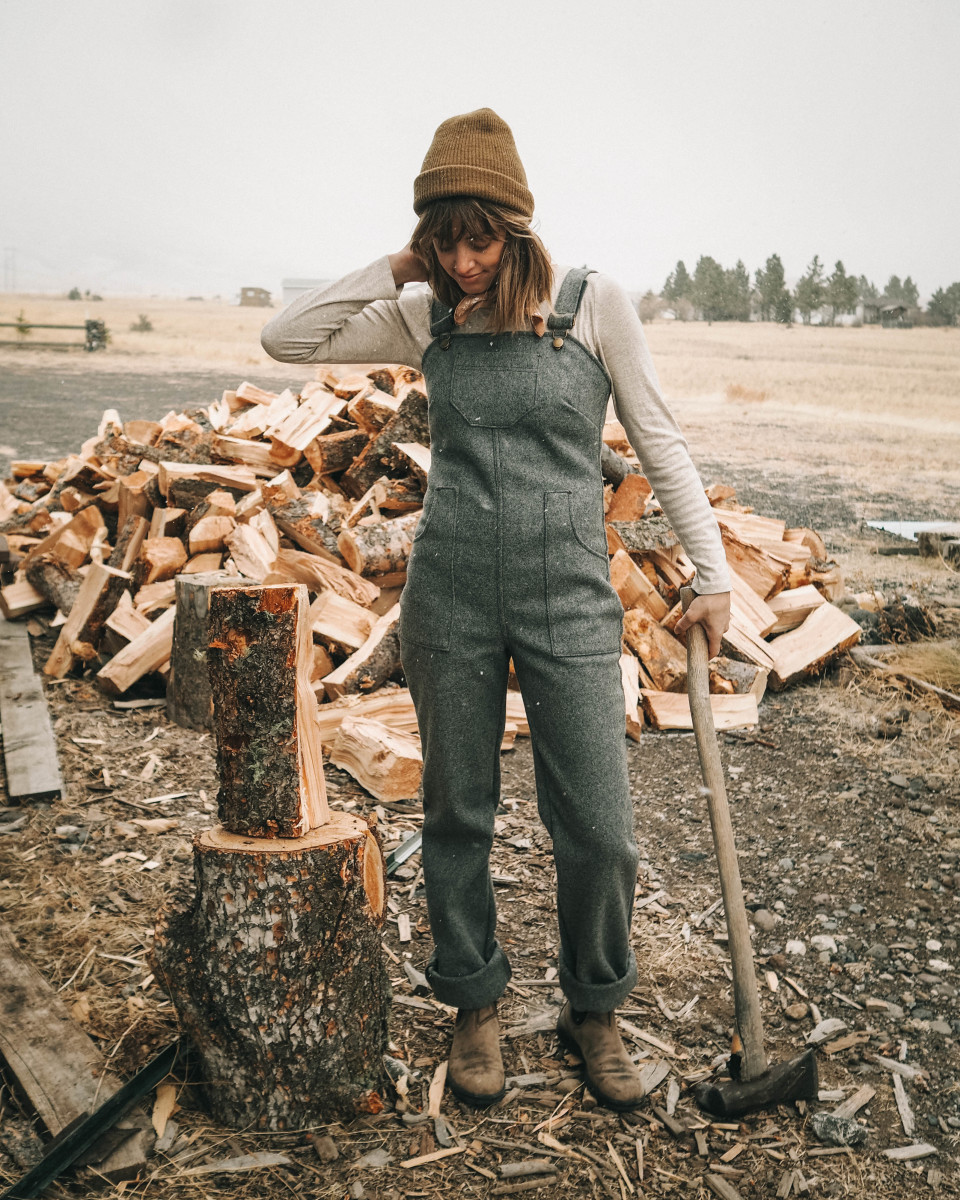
796	1079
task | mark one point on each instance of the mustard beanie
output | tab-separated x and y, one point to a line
473	155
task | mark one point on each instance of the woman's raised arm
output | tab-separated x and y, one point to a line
360	318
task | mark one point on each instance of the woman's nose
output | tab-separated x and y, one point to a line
464	260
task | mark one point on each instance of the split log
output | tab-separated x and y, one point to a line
827	578
644	536
417	457
630	677
371	409
253	454
241	479
130	538
793	606
379	550
397	495
741	643
297	1032
340	623
744	678
662	655
20	598
296	566
747	608
392	707
189	698
765	575
671	710
386	763
72	541
251	552
159	559
824	635
268	750
305	522
125	622
200	564
292	435
55	580
210	533
168	522
408	424
630	499
280	489
144	654
132	498
333	452
154	597
634	588
613	466
373	663
80	633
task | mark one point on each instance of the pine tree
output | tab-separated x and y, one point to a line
893	292
910	293
808	294
867	291
679	285
708	288
737	293
770	287
841	290
944	306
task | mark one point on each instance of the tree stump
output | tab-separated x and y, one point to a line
276	971
189	699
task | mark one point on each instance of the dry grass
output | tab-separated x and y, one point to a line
736	391
933	662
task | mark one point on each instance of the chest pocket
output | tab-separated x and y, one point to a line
495	395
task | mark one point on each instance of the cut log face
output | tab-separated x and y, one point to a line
299	1026
340	623
332	452
159	559
630	499
386	763
268	749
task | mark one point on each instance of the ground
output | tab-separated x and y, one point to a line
843	834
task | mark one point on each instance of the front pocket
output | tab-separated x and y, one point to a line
584	613
429	595
492	397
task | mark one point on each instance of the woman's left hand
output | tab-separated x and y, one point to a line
712	612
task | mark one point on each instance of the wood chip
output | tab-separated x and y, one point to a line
854	1103
720	1187
908	1153
435	1094
434	1157
243	1162
907	1119
164	1106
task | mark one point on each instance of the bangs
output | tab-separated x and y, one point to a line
446	220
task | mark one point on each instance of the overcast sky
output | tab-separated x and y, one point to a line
194	146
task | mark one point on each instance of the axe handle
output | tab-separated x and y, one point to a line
745	993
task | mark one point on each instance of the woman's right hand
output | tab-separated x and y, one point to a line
407	267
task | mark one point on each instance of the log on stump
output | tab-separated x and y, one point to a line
189	699
268	747
276	971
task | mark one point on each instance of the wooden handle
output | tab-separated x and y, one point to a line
745	994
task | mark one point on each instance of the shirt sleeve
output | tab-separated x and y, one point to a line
655	435
360	318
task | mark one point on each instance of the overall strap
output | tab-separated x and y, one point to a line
441	319
568	301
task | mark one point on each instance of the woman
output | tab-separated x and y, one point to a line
510	561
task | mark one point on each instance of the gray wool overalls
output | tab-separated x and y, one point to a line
510	560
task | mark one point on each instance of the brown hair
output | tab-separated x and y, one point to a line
525	278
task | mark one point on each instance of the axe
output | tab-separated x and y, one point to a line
754	1081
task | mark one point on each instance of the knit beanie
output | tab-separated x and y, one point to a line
473	155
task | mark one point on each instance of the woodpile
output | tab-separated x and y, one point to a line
324	487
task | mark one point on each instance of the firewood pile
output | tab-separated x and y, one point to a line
325	488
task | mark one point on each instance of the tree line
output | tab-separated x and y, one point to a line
715	293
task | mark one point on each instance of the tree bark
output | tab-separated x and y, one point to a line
269	756
409	424
56	580
382	549
276	971
189	699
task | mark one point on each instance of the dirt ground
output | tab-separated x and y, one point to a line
846	805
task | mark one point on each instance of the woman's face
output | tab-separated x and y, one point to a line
471	261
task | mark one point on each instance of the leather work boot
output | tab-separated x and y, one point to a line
610	1075
475	1068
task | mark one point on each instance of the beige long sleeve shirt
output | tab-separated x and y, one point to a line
365	317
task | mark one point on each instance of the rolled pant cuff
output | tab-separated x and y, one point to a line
483	987
598	997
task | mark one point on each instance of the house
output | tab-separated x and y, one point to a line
292	288
895	316
254	297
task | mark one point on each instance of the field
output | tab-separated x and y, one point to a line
842	831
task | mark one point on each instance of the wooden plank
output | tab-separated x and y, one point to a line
671	710
29	748
57	1065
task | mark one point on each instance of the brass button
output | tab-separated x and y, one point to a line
557	343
